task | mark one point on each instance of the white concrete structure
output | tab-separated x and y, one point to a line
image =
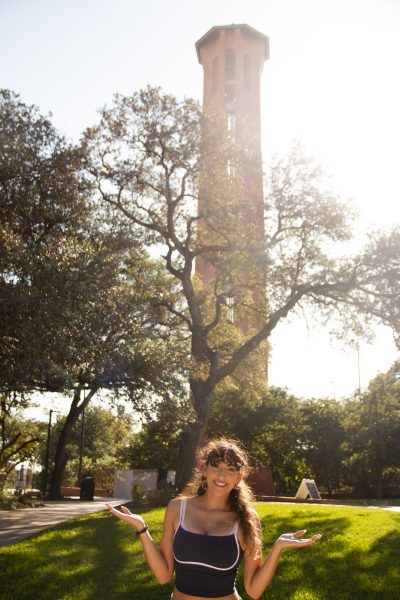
124	480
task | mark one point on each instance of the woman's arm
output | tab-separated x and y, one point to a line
160	560
258	575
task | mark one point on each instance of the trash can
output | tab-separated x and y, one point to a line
87	488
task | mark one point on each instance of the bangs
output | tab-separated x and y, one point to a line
225	455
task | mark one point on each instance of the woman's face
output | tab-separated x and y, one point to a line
221	478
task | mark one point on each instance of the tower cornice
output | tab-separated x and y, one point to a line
213	33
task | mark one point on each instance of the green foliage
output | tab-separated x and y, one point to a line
146	498
372	425
18	500
42	216
153	159
336	443
106	436
81	302
162	496
138	493
160	436
82	305
19	438
270	426
80	298
323	441
350	446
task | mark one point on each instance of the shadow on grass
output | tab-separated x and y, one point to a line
345	565
96	557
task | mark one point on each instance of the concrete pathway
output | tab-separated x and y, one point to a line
16	525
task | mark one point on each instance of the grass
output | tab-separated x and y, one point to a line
372	502
97	557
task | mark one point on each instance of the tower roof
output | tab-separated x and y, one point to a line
214	32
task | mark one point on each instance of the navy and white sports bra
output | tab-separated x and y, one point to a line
205	565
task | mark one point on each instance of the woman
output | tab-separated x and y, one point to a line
210	529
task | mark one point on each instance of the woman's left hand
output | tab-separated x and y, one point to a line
296	540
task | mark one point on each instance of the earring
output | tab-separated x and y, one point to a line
203	484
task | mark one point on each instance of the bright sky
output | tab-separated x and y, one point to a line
332	81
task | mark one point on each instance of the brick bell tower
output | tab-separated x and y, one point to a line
233	57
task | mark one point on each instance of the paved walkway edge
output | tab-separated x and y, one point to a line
19	524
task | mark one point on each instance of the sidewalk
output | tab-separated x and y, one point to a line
18	524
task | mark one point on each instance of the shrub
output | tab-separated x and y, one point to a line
160	497
138	493
18	500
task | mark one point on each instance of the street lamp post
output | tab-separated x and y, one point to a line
81	447
358	369
46	460
355	343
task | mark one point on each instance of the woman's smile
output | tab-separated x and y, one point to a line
220	484
222	476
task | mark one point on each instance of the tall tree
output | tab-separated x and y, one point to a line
19	439
81	300
106	435
372	425
159	439
270	425
147	156
123	345
42	212
323	440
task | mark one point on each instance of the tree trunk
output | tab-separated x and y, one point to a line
193	434
379	483
186	461
363	481
60	459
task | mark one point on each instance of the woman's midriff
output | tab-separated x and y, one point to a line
177	595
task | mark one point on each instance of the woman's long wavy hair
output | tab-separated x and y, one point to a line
241	497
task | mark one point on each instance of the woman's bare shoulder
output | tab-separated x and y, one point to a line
171	515
174	505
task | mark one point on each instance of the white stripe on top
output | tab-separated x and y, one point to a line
234	531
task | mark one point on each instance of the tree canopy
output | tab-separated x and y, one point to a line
19	438
372	426
85	307
152	158
81	299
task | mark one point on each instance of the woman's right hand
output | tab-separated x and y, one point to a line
296	540
135	521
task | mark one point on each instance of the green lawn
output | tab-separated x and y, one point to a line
97	557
